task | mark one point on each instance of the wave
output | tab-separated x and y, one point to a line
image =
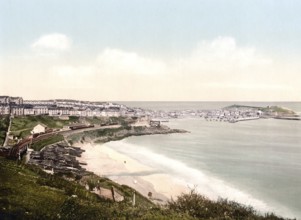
204	183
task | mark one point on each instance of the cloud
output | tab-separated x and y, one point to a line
210	58
52	42
219	69
225	50
115	61
222	55
216	64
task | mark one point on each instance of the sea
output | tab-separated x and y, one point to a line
255	162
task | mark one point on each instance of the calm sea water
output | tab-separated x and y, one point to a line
253	162
168	106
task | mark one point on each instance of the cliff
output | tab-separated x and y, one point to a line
105	135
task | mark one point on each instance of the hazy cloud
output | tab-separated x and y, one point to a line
222	55
55	41
219	69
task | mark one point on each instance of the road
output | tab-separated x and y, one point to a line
7	133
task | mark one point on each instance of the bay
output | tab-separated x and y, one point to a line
253	162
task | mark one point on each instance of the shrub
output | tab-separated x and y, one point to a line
201	207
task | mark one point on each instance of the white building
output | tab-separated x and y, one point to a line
16	100
39	102
4	109
54	112
75	112
65	111
28	111
83	113
4	99
39	128
110	113
40	110
17	110
11	100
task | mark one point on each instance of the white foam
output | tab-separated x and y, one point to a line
206	184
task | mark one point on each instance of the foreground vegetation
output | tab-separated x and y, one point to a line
4	123
37	146
200	207
26	192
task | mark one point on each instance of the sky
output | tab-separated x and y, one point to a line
151	50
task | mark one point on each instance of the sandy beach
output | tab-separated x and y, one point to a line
122	169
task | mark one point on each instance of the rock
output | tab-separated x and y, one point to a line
60	158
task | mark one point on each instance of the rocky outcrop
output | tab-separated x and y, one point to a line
58	158
123	132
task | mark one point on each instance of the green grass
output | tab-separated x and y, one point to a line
93	134
278	109
201	207
95	181
22	125
21	191
37	146
4	123
96	120
241	106
26	192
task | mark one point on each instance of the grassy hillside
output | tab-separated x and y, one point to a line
37	146
26	192
279	110
200	207
268	110
90	135
22	125
4	123
124	121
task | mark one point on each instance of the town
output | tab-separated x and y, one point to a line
26	123
59	107
16	106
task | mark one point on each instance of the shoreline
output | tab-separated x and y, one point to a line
107	162
89	155
124	170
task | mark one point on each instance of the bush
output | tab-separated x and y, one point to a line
201	207
51	140
4	123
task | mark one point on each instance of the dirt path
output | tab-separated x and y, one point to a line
7	133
